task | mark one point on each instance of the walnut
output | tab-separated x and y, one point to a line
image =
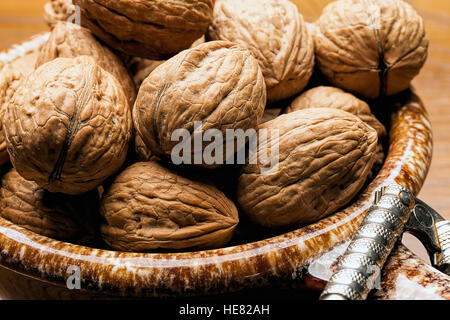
68	40
149	207
156	29
140	68
323	160
9	82
371	48
68	126
58	10
25	63
218	85
58	216
330	97
275	33
199	41
142	152
10	76
270	114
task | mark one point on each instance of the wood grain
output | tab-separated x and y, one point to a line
20	19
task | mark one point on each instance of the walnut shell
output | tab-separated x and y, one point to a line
149	207
156	29
58	216
217	83
275	33
140	68
68	126
9	82
331	97
25	63
68	40
324	158
335	98
370	48
58	10
142	152
10	76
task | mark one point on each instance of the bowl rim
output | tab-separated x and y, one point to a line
224	269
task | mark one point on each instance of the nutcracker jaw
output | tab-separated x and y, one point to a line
395	210
434	233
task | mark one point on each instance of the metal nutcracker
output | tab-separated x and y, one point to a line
394	211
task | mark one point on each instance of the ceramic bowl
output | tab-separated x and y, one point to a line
34	266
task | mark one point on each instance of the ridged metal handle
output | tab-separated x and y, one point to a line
361	264
443	257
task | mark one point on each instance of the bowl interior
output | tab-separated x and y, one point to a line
253	256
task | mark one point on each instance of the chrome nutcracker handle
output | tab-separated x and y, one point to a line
372	243
442	258
394	211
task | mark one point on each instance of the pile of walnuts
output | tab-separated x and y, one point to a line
91	127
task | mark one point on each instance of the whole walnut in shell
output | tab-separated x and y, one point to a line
331	97
153	29
68	126
324	157
59	10
275	33
216	85
9	82
68	40
149	207
371	48
58	216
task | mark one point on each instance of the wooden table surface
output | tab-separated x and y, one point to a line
20	19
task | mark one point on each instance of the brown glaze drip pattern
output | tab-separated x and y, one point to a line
405	277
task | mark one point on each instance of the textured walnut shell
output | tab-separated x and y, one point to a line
149	207
140	68
153	29
142	152
58	10
68	126
9	82
68	40
331	97
10	76
276	34
370	48
25	64
325	156
335	98
58	216
217	83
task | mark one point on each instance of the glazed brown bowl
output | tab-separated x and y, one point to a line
34	266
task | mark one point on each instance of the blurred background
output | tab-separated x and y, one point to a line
20	19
